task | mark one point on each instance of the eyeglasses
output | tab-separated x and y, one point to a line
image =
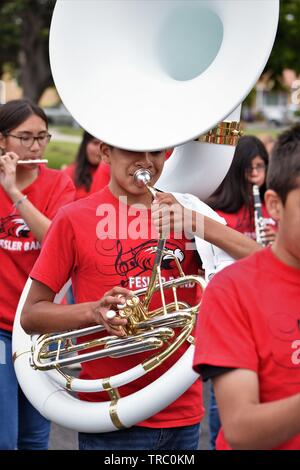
259	168
28	140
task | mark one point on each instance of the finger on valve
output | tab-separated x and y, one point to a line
110	314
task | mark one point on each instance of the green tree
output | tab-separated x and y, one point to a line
285	53
24	37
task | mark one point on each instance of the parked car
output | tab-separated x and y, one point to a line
281	115
60	116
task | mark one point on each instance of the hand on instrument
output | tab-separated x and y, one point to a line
269	234
8	165
104	309
167	214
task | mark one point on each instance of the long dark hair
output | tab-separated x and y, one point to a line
15	112
83	168
233	193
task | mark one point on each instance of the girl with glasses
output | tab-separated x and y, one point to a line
30	196
233	200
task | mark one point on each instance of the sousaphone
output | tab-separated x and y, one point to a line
148	75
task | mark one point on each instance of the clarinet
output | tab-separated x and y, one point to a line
259	221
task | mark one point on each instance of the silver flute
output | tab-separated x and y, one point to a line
30	162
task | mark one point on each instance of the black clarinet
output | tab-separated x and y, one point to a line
259	221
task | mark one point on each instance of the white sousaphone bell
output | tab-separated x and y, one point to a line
148	75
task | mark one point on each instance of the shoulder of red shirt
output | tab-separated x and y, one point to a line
49	175
241	268
70	170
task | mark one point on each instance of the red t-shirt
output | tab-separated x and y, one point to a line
18	247
100	179
249	319
242	222
96	265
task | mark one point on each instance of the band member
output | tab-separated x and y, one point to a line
247	337
88	172
233	200
107	250
30	195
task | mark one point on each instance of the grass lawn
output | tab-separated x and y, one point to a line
60	153
63	153
272	131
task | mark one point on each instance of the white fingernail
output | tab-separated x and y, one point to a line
110	314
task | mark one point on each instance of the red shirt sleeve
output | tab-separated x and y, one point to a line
223	334
58	255
63	193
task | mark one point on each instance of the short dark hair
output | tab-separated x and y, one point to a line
15	112
284	168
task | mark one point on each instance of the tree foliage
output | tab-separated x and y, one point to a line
24	36
285	53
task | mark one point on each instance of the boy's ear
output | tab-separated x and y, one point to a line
273	204
105	152
168	152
